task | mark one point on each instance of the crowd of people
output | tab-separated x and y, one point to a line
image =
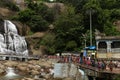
87	61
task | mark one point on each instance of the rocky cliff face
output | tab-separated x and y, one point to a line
1	25
34	43
5	13
23	29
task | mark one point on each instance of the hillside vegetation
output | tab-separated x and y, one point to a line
66	23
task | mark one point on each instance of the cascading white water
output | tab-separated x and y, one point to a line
11	42
10	72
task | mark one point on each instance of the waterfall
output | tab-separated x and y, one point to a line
11	75
10	72
11	42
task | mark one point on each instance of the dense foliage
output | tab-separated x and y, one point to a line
72	23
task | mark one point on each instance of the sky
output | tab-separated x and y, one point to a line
51	0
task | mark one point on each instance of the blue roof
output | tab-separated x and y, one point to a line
91	47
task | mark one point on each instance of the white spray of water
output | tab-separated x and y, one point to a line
10	72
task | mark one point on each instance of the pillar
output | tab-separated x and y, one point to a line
97	54
108	49
10	58
26	59
97	45
108	46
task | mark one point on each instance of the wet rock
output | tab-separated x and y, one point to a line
69	78
2	71
47	76
34	72
27	79
22	68
10	63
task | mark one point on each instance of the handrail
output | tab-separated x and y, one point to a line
96	69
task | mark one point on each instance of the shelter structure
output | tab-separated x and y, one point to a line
90	51
108	46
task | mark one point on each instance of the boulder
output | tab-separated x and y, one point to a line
34	72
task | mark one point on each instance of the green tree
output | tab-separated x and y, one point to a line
68	28
41	9
49	16
102	17
109	4
110	29
115	15
37	23
47	13
31	5
48	41
71	45
25	16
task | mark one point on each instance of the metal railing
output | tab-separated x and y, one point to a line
115	50
102	50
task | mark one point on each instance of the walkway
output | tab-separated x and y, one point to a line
115	70
107	70
90	70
